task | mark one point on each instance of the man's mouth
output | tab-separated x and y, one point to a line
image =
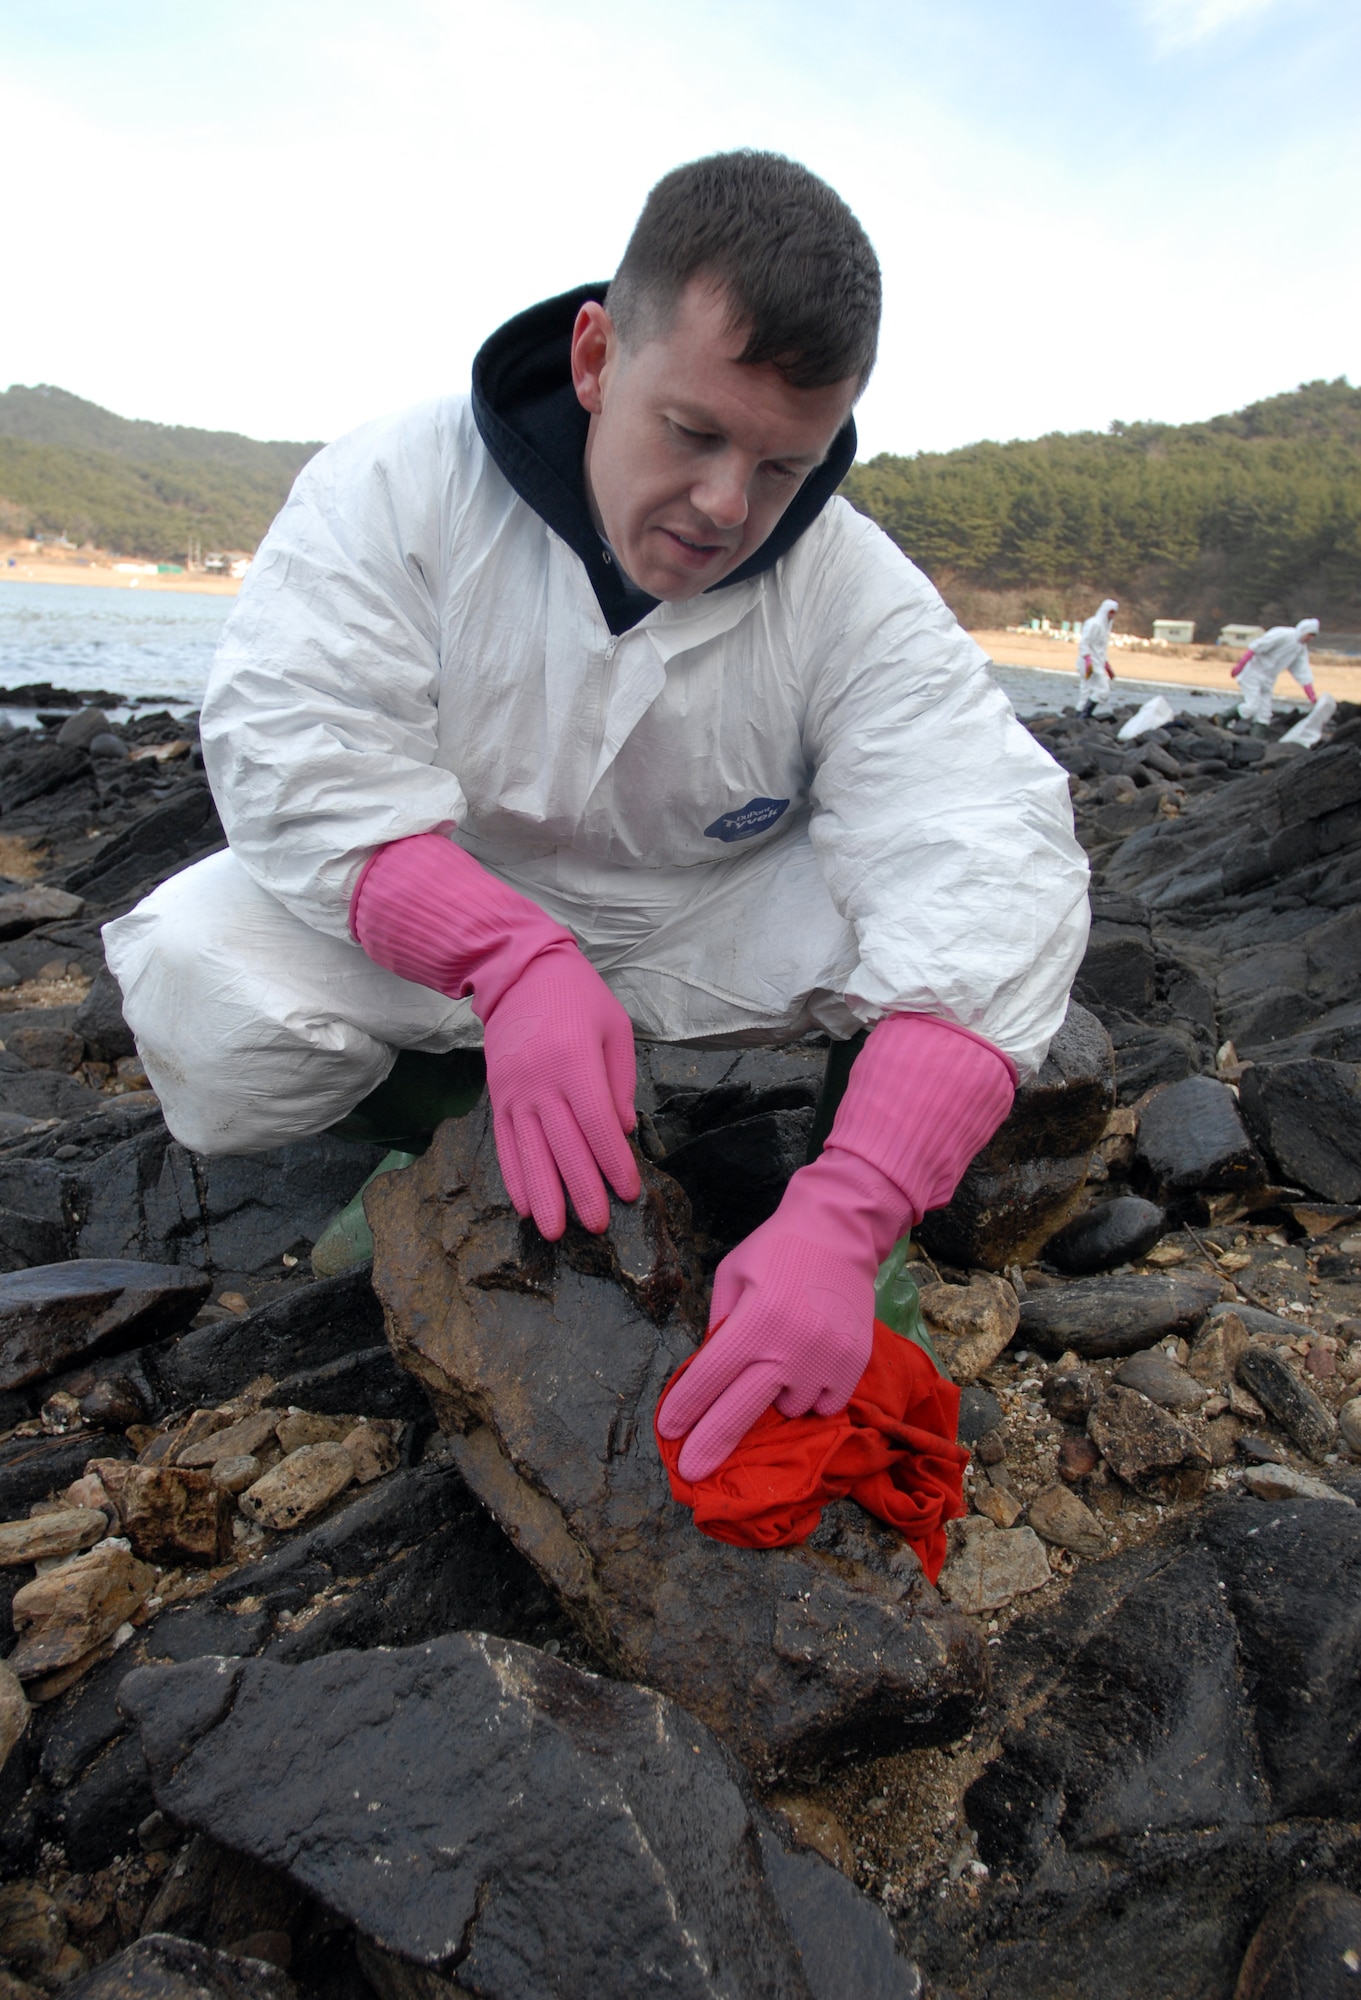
695	554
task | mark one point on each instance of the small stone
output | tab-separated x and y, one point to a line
373	1449
25	910
1220	1438
971	1323
1111	1233
1060	1517
1069	1393
202	1424
238	1439
1117	1314
993	1568
236	1474
168	1512
32	1929
979	1413
1191	1138
1282	1482
70	1610
60	1414
59	1534
991	1449
1260	1450
309	1479
1244	1405
1321	1364
1349	1424
813	1827
47	1048
1146	1447
1290	1401
88	1491
1218	1349
1078	1458
1155	1375
1165	1255
299	1427
14	1710
234	1302
1003	1509
112	1404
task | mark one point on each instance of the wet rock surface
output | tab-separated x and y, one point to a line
1117	1315
598	1826
1177	1759
1028	1180
545	1365
1225	952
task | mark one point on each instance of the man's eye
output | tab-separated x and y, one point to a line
695	437
784	471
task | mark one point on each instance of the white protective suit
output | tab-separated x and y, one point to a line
1284	649
797	800
1094	677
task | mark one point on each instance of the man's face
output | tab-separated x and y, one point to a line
692	456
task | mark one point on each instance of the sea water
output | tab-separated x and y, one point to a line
158	645
135	643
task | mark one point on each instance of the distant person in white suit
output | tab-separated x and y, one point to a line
1094	677
1284	649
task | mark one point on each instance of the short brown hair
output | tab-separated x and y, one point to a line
798	270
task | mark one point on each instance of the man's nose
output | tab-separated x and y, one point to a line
721	495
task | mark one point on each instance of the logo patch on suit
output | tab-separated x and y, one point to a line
752	818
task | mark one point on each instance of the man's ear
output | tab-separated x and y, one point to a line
593	342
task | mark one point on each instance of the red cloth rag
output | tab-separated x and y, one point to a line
892	1448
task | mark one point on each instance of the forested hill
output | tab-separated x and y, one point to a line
141	489
1253	517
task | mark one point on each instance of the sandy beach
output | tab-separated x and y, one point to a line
1181	666
19	565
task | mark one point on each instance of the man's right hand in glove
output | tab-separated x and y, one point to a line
559	1047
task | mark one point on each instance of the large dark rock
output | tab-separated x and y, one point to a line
545	1364
56	1314
1113	1232
735	1174
1181	1749
1116	1314
1191	1140
171	1968
1306	1949
99	1020
42	1093
594	1831
307	1328
151	1197
23	910
167	837
32	1468
1028	1179
1118	969
35	1222
1306	1117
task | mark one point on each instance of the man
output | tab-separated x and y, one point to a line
1095	678
578	709
1284	649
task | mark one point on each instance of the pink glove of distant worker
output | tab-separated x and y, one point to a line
793	1305
559	1047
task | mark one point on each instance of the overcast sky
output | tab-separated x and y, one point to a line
285	216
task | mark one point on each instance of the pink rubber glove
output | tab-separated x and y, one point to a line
793	1304
559	1047
1309	693
1234	672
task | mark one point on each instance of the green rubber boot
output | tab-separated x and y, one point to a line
347	1239
418	1093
